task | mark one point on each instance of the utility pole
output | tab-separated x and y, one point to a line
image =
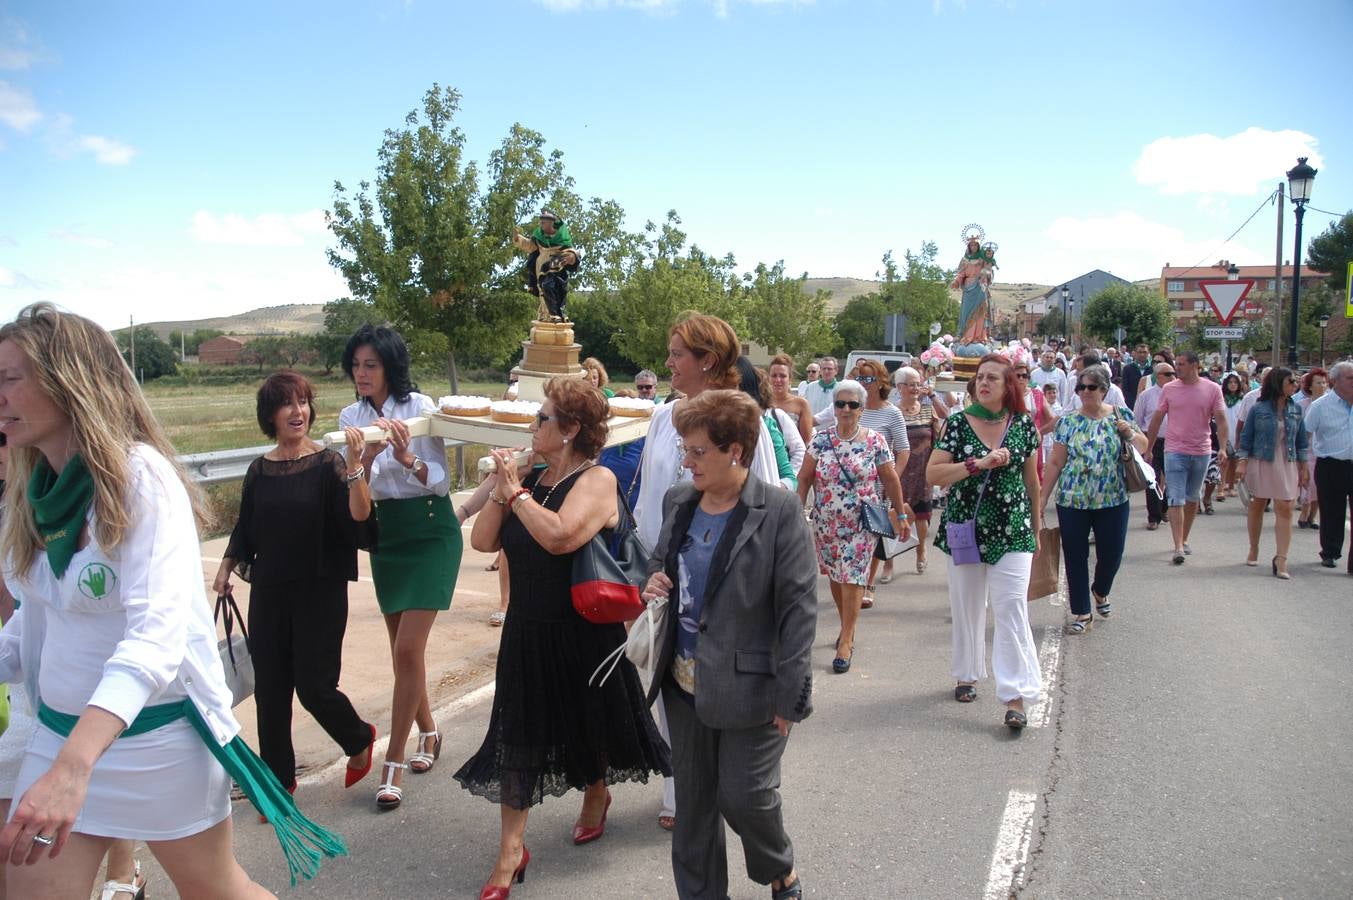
1278	283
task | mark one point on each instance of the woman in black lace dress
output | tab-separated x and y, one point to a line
550	731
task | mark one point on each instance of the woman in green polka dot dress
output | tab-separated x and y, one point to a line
1007	535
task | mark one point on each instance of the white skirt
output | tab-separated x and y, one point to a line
159	786
14	742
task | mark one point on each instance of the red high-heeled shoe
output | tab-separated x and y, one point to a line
351	776
494	892
585	835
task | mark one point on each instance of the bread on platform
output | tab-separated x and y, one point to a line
514	412
464	406
632	407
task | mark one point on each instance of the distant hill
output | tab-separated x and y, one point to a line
308	318
299	318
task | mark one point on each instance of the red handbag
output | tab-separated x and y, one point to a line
607	574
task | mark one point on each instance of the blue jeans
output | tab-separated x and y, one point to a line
1110	526
1184	474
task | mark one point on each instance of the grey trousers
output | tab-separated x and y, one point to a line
733	774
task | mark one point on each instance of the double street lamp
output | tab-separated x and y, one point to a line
1069	308
1299	180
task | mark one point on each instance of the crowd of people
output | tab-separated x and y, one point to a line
744	492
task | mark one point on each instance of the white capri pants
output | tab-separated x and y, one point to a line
1014	657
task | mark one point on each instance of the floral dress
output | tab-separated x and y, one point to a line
1005	521
846	475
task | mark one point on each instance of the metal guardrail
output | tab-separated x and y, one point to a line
221	466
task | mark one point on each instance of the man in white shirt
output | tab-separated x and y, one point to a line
1048	373
819	393
814	368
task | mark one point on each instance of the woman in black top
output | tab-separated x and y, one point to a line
296	543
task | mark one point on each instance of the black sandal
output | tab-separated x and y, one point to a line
789	892
965	693
1015	720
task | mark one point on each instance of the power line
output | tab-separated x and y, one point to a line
1327	212
1266	202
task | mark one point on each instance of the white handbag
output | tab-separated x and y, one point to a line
234	650
640	645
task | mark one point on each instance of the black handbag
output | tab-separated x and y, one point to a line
607	574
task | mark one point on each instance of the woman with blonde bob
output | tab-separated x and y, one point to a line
115	640
596	373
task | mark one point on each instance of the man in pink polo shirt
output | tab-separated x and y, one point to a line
1192	403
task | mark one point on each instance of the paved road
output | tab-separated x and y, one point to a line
1196	744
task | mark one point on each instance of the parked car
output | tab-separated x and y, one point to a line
891	359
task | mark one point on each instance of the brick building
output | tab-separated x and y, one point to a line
220	351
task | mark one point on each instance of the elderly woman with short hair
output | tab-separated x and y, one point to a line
922	414
1086	470
849	465
735	657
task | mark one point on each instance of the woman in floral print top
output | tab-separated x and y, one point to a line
993	435
1092	496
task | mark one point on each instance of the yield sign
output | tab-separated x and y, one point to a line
1226	297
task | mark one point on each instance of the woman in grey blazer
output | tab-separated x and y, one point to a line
734	670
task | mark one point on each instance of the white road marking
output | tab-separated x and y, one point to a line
1012	846
1048	658
449	711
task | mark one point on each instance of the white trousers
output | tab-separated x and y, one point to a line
1014	657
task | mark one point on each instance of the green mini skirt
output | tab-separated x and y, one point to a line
417	556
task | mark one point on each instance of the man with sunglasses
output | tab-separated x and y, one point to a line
1195	403
1143	411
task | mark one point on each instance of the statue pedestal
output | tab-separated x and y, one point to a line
956	382
551	351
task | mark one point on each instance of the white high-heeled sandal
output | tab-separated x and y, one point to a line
389	795
422	758
136	889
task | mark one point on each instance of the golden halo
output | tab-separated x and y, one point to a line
972	231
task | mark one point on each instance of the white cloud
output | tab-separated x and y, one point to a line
265	230
18	110
108	151
80	238
1249	163
1125	244
16	50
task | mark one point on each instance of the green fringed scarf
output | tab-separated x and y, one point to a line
60	503
978	411
304	842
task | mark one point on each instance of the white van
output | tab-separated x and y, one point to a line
892	360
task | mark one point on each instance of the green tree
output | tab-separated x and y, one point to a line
1331	250
859	326
920	292
154	357
782	315
431	249
1142	314
268	350
591	317
666	283
1052	323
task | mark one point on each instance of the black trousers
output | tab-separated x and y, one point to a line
296	641
1156	505
1334	493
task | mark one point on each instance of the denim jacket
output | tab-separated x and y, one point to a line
1261	427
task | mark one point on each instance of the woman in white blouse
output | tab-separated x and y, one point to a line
702	354
418	543
114	641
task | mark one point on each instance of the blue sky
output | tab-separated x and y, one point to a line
173	160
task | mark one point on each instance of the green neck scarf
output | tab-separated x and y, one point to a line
978	411
59	507
826	385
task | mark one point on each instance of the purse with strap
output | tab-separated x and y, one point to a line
1134	467
236	658
962	536
607	573
873	516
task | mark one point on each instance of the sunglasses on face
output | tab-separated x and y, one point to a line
866	379
541	419
847	404
1167	374
645	387
1086	387
1022	376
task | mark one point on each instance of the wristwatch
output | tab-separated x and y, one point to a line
417	461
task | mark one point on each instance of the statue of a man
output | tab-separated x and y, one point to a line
551	256
975	272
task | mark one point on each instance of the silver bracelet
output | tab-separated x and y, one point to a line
353	476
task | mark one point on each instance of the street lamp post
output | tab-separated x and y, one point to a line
1299	180
1068	311
1324	323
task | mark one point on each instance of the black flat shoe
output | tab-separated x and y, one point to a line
965	693
841	665
1015	720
